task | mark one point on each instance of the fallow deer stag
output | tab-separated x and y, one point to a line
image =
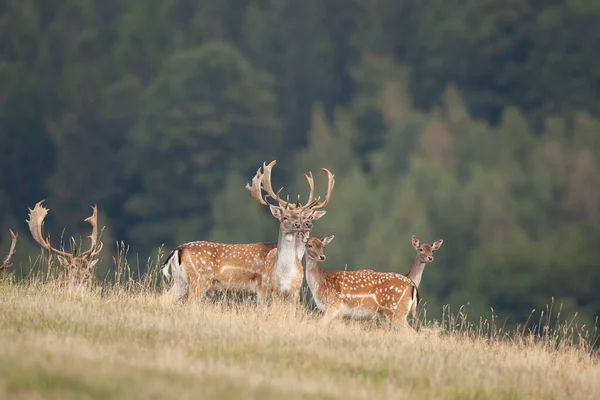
78	268
200	267
13	248
366	293
282	273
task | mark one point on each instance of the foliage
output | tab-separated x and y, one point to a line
476	122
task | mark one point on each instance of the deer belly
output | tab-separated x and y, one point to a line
235	278
359	305
235	286
357	312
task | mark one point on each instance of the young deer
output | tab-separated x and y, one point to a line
13	248
201	267
78	268
365	293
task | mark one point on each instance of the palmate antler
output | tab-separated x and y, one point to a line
13	248
36	221
262	181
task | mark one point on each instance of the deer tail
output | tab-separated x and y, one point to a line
172	262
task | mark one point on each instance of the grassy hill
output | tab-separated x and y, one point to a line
126	344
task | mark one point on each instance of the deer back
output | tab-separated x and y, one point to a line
217	259
369	289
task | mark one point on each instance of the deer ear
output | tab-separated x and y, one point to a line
63	261
415	242
437	244
93	262
317	214
276	211
327	240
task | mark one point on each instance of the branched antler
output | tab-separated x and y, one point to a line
95	247
315	204
36	222
77	267
13	248
262	181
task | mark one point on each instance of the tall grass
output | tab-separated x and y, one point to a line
119	340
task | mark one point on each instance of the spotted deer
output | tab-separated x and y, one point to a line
78	268
202	267
282	273
365	293
11	252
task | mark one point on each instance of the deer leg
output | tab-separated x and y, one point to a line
296	298
199	286
178	292
330	314
399	320
263	295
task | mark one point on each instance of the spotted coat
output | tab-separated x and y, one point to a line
203	266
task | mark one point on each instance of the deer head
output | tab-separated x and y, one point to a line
292	216
13	248
315	247
78	267
425	250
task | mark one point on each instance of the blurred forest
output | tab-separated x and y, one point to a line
474	121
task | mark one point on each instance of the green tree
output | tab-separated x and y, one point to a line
206	112
237	218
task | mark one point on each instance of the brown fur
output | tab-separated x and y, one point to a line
269	284
211	266
200	267
361	293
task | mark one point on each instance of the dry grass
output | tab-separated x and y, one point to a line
121	342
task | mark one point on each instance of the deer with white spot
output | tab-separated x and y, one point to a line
11	252
77	268
366	293
282	273
203	267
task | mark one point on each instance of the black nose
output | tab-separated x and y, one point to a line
308	224
322	257
296	224
430	258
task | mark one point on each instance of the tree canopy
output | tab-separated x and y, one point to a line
476	122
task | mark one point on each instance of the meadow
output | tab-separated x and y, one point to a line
120	341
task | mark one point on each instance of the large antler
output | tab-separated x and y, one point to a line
262	181
35	222
95	247
315	204
11	252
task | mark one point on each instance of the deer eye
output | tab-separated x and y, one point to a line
310	246
285	218
420	249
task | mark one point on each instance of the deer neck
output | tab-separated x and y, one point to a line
314	274
301	244
286	250
416	271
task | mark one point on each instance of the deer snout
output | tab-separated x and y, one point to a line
297	225
429	258
308	224
322	257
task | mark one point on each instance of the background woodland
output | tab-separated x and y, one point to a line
477	122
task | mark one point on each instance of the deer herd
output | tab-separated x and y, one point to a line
269	270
